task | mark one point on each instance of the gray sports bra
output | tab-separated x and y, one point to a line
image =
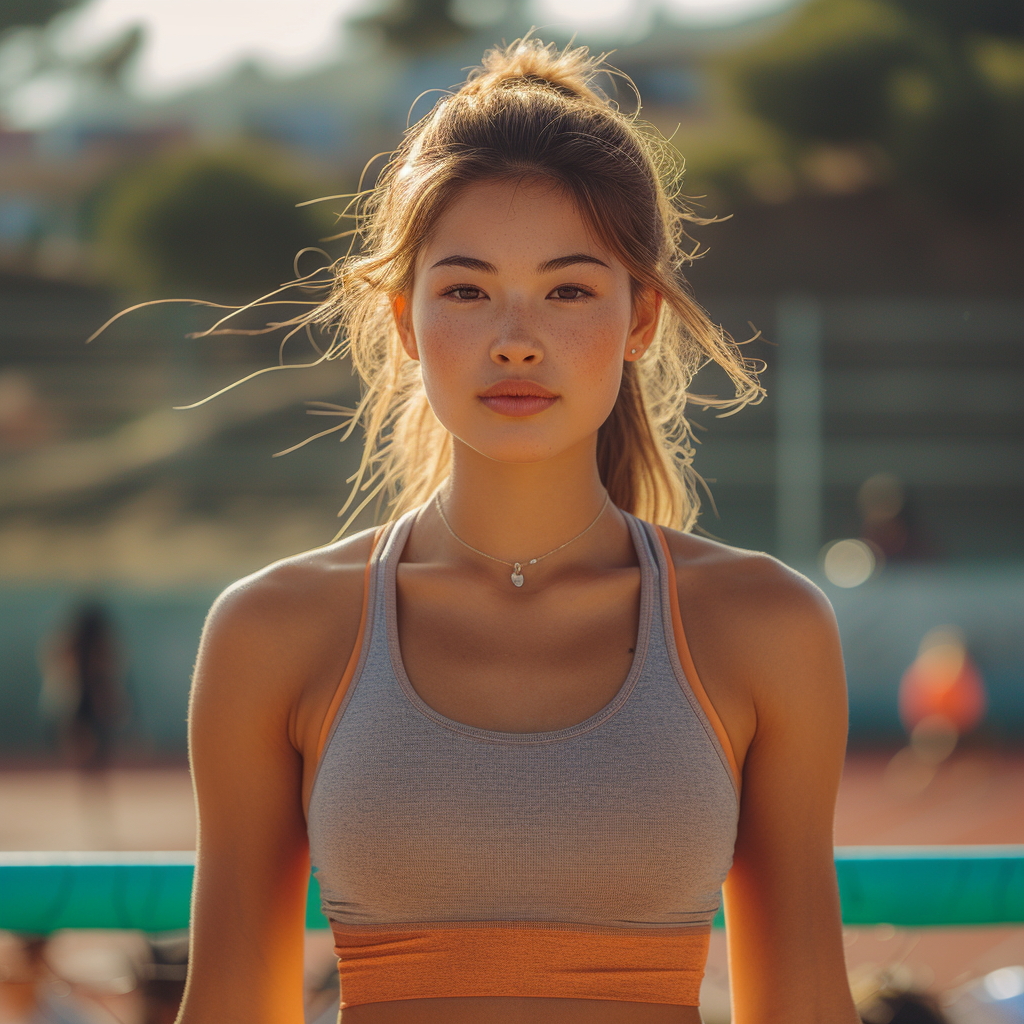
583	862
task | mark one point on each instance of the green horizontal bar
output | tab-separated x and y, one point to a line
923	886
909	886
41	892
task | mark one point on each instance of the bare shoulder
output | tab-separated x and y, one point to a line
749	582
293	587
757	620
269	632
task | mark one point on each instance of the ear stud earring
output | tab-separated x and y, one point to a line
632	351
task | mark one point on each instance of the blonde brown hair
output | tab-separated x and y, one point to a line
529	111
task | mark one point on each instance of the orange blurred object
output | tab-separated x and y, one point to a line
943	685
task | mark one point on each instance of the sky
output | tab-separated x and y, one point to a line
190	41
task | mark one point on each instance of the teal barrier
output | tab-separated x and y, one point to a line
909	886
926	886
41	892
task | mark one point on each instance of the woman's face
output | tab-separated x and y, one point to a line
521	321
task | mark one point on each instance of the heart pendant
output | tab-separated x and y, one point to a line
517	576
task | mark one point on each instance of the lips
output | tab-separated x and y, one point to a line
517	397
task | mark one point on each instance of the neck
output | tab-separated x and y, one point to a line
519	511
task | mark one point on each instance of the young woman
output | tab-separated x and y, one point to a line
529	729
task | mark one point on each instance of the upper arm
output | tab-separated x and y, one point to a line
252	870
781	898
271	656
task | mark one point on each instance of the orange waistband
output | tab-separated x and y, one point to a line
417	961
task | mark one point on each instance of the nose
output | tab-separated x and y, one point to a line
515	343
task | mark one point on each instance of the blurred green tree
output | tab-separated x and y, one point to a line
936	85
112	60
997	17
28	24
414	25
31	13
209	224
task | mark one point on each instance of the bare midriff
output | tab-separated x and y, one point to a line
518	1010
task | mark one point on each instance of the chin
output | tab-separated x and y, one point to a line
519	446
523	440
514	452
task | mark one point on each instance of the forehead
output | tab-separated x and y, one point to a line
504	222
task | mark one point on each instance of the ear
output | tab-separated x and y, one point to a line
646	311
403	323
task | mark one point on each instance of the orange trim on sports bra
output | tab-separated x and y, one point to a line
519	958
688	667
353	661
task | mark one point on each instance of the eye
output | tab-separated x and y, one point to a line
571	293
464	292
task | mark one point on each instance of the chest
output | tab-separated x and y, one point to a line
627	818
525	660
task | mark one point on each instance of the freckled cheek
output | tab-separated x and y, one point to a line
592	356
448	359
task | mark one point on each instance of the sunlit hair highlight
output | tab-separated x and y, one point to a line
530	111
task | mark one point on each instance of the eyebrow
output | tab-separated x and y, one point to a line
568	261
559	263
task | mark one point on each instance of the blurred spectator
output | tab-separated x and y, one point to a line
888	522
942	691
82	689
941	698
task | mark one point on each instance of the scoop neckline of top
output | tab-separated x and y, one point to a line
392	555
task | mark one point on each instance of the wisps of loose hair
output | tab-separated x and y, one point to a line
529	111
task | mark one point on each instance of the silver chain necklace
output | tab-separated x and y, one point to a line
517	567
